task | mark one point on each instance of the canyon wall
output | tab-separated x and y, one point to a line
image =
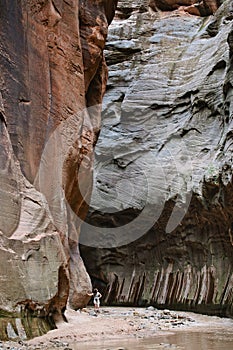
160	227
51	53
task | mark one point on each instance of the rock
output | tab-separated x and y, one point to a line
135	313
150	308
164	317
167	312
104	311
159	229
83	309
194	7
51	55
93	313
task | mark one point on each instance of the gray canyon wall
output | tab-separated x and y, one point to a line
160	226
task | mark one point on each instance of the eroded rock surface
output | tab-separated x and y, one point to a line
194	7
162	203
50	54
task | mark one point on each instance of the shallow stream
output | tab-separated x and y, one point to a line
217	340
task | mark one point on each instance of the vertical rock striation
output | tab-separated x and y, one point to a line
51	56
161	212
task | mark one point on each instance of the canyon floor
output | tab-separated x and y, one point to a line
85	328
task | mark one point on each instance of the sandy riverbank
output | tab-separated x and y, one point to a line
118	322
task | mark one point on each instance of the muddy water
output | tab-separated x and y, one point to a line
218	340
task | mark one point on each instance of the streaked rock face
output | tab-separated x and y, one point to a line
194	7
50	54
161	211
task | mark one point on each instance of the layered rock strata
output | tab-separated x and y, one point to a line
194	7
159	230
51	53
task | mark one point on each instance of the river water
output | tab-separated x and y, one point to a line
214	340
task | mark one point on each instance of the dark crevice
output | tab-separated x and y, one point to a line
56	9
2	118
186	131
156	106
24	100
212	29
127	50
227	87
220	65
124	13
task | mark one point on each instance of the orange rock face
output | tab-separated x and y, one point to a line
52	68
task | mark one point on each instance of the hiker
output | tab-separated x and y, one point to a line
97	297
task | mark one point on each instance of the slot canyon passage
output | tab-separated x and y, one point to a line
145	173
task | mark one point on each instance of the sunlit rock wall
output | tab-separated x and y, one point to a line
160	230
50	54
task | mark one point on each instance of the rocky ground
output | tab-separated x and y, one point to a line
113	323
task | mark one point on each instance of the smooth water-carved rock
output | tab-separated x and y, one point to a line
161	211
47	139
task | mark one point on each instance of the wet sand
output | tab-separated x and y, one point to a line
86	329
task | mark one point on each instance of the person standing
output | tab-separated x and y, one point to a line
97	296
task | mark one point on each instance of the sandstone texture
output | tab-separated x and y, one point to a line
50	54
159	229
194	7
